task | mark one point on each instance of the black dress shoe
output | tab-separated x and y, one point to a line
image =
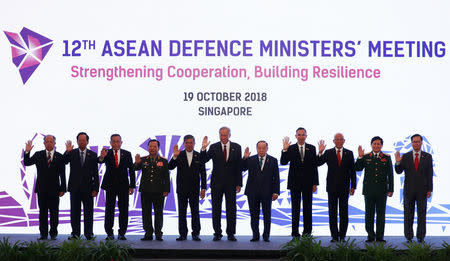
370	240
266	239
380	240
121	237
72	237
420	240
232	238
147	238
196	238
217	238
342	239
89	237
334	240
42	238
255	239
409	241
53	237
181	238
159	238
109	237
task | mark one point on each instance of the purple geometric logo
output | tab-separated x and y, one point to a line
28	49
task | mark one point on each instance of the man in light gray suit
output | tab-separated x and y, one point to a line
418	185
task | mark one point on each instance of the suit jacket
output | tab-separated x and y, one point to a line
224	174
339	177
301	174
378	174
263	182
117	177
82	177
416	182
189	177
51	178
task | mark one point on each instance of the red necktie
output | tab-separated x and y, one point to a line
116	158
339	157
225	152
49	159
416	161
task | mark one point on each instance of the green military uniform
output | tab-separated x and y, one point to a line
378	181
155	180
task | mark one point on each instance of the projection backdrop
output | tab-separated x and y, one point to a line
163	69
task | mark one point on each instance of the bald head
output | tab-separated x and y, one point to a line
339	140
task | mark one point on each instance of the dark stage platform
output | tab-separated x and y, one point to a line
224	249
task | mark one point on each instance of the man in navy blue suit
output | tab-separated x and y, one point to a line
263	186
50	183
83	184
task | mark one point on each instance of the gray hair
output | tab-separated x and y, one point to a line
49	135
225	128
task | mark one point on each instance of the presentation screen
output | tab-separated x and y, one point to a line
164	69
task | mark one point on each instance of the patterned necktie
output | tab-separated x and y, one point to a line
225	152
301	153
416	161
116	158
49	158
261	162
82	158
339	157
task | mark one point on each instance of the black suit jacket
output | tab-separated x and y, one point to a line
301	174
339	177
189	177
50	179
416	182
263	182
117	178
82	177
224	174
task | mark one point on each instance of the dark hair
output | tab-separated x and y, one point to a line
83	133
267	145
301	128
157	141
116	135
416	135
377	138
49	135
187	137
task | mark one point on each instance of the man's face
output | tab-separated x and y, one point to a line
116	142
49	143
153	148
262	149
224	136
301	136
339	140
82	142
189	145
416	143
376	146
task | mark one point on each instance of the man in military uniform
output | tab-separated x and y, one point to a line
154	187
378	182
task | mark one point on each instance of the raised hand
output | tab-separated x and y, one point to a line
176	151
69	146
205	143
137	159
398	158
103	153
28	146
322	146
360	151
286	143
246	153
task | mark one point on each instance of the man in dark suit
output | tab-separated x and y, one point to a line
83	184
190	172
50	183
154	187
341	172
303	179
418	167
226	179
378	185
119	165
263	187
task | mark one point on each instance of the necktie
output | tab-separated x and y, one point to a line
339	157
82	158
116	158
49	158
225	152
416	161
261	162
301	153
